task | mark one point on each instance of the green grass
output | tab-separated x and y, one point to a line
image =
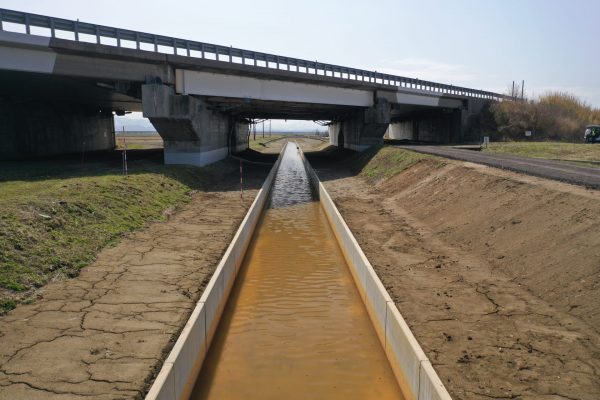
260	143
580	153
55	217
385	162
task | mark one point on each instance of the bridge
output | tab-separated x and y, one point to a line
61	82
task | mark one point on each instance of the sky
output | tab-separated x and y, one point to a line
553	45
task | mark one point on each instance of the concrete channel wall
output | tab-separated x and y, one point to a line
177	376
413	370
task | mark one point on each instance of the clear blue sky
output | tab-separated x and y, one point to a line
551	44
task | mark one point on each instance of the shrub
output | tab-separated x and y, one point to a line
554	116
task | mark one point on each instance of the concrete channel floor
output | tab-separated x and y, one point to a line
104	334
549	169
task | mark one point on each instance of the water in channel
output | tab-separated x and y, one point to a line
294	326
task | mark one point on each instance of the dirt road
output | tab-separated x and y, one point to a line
104	334
495	272
550	169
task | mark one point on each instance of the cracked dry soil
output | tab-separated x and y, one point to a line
497	274
104	334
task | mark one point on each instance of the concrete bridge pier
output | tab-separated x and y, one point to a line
362	129
192	133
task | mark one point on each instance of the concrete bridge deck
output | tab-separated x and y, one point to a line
199	96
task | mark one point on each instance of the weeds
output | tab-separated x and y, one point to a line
385	162
554	116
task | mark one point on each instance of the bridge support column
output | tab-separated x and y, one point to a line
192	133
39	129
363	129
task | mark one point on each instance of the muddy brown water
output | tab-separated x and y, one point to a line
294	326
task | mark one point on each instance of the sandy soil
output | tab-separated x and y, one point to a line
104	334
497	273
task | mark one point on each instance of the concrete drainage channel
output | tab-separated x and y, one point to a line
410	366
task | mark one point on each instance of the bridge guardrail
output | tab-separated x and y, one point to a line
133	39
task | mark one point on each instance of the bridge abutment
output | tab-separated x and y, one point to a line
363	129
31	129
192	133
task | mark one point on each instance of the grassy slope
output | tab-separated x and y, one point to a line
580	153
385	162
55	217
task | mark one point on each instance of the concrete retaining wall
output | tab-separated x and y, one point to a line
176	378
414	372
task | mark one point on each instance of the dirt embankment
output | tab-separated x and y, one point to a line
104	334
498	274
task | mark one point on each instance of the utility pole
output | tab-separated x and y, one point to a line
523	90
512	93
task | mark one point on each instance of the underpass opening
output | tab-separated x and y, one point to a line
263	130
